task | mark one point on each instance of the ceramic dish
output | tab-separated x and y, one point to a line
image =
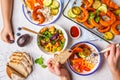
53	39
75	32
82	61
28	14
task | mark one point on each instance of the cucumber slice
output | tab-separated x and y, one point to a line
108	36
96	4
76	10
103	8
47	3
55	4
54	11
71	14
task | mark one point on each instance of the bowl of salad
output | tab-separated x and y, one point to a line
85	59
42	12
52	39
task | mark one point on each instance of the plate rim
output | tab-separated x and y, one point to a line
68	62
58	16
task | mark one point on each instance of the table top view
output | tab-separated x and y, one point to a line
20	20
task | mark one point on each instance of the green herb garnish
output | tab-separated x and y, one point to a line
40	61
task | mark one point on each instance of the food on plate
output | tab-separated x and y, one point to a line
103	8
103	29
19	66
108	36
96	4
117	12
83	17
42	11
71	14
81	60
36	13
23	40
110	21
53	39
88	3
116	28
75	32
110	4
103	15
76	10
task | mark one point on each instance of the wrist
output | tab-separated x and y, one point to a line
116	72
65	77
7	23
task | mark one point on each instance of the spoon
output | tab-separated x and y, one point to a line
32	31
104	50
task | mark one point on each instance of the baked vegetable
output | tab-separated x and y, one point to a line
108	36
103	8
76	10
115	28
54	11
71	14
96	4
55	4
47	2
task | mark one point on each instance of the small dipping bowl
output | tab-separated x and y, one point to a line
75	32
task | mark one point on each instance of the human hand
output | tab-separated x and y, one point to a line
113	58
59	70
7	34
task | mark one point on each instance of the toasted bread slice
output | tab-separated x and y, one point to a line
21	62
28	58
19	67
61	57
10	71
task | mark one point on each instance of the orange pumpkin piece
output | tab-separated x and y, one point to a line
109	22
38	16
94	23
88	3
83	17
110	4
115	28
91	9
103	29
88	25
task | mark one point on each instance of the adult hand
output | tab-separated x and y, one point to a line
113	58
59	70
7	33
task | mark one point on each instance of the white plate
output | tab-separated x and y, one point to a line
29	18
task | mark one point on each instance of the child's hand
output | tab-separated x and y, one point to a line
7	34
58	70
113	58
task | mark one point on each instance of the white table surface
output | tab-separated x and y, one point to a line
39	73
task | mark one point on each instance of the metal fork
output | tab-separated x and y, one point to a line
104	50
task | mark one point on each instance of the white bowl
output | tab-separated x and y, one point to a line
85	73
64	34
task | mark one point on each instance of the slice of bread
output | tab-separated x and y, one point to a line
11	71
62	57
20	62
19	67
